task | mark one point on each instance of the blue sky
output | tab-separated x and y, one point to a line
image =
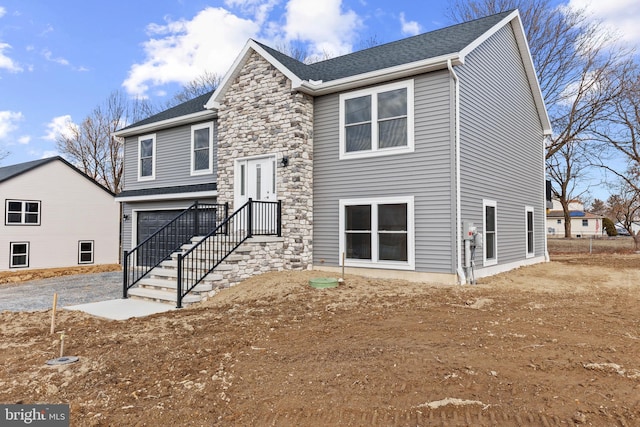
60	59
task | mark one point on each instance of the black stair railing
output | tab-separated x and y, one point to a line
254	218
197	220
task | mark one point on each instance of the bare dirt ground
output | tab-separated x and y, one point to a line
553	344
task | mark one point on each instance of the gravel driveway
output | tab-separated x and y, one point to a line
72	290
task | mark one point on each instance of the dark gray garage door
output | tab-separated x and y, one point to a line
148	223
151	221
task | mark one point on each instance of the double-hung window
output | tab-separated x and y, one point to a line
147	157
85	252
202	149
18	254
530	234
22	212
490	220
377	121
378	233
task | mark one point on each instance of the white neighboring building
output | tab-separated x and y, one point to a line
55	216
583	224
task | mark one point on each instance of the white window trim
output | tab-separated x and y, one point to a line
23	212
194	128
80	242
153	158
393	265
488	262
11	254
528	209
375	151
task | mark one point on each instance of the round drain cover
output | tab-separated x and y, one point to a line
63	360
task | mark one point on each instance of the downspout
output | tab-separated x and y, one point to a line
544	192
461	276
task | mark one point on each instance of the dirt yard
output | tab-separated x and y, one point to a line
554	344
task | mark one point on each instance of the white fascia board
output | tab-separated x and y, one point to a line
251	45
163	124
521	39
174	196
379	76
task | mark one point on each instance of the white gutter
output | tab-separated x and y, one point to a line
176	121
461	276
378	76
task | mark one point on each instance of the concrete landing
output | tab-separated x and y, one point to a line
121	309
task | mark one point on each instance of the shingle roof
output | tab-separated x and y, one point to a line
168	190
9	172
194	105
423	46
433	44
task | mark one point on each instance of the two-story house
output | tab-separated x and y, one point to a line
381	158
55	216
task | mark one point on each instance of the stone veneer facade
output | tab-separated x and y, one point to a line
261	115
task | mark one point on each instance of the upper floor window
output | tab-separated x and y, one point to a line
147	157
22	212
202	149
377	121
585	222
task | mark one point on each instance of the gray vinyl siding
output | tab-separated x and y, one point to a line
501	145
173	159
128	208
424	174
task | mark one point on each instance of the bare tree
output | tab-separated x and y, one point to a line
565	168
573	56
625	208
204	83
91	145
621	130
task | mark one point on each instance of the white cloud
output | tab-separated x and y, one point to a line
323	24
49	57
9	122
621	16
61	125
6	62
409	28
184	49
3	11
24	140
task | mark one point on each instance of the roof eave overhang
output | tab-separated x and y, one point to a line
163	124
379	76
170	196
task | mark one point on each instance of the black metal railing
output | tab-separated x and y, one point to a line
254	218
197	220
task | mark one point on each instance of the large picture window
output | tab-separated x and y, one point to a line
377	233
22	212
202	149
490	220
18	254
147	157
377	121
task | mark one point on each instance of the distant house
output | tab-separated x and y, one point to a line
583	224
379	158
55	216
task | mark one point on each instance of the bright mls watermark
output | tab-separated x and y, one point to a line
34	415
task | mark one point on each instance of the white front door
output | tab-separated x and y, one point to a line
255	179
